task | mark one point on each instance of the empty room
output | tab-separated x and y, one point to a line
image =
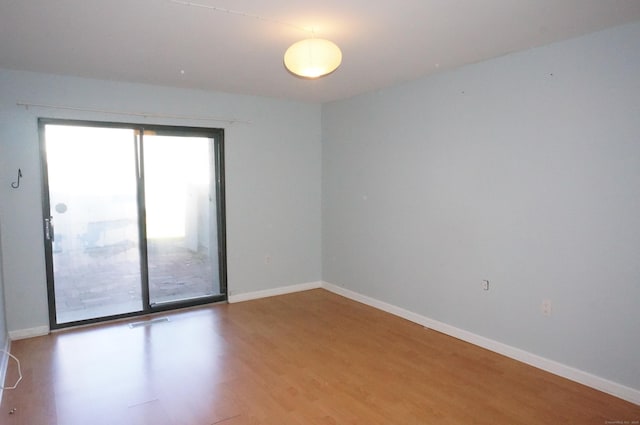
294	213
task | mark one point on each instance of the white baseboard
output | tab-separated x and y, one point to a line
236	298
28	333
4	363
618	390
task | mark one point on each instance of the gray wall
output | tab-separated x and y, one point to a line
524	170
3	319
273	167
4	359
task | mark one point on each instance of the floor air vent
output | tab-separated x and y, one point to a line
148	322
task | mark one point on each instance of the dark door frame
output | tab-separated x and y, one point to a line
217	135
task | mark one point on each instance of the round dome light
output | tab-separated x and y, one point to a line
312	58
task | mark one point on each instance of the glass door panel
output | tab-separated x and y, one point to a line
133	219
93	230
180	207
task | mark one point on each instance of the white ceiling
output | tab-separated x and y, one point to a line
383	42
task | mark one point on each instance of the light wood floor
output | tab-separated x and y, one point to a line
311	358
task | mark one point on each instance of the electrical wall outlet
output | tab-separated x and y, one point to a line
485	285
546	307
267	259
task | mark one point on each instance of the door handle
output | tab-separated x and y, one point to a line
48	229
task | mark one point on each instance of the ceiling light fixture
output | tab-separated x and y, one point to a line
312	58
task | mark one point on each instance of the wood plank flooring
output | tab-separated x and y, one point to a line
310	358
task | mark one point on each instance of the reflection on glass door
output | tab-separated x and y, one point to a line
93	224
180	199
133	219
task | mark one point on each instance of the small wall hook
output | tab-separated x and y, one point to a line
16	184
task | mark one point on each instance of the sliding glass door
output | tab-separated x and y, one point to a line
93	222
182	248
133	219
